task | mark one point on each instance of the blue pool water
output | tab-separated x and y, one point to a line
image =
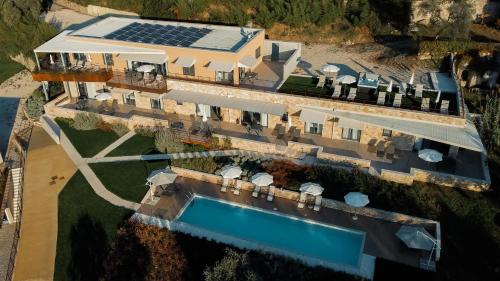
8	110
330	244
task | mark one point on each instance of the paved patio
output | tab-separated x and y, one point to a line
269	76
380	239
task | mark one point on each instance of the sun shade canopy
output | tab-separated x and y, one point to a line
248	62
221	65
312	116
149	58
222	101
185	61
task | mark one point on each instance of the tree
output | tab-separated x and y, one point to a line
490	124
234	266
459	19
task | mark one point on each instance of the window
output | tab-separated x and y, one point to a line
257	52
222	76
180	103
129	99
188	70
351	134
387	133
314	128
155	104
108	59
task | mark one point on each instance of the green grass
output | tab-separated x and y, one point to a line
127	179
79	205
136	145
8	68
87	143
306	86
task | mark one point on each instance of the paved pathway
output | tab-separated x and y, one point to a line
47	170
115	144
6	239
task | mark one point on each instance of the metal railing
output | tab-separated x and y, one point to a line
134	81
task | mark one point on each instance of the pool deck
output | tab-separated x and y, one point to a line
381	240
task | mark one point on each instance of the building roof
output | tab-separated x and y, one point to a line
169	33
222	101
462	136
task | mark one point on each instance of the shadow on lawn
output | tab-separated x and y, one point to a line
89	247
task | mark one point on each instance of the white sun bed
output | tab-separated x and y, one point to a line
225	183
381	98
270	194
397	100
317	203
256	191
302	200
237	188
445	104
321	82
337	91
352	94
425	104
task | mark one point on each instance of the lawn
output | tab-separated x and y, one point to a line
306	86
127	179
136	145
87	225
8	68
87	143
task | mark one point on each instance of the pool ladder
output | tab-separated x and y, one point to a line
189	195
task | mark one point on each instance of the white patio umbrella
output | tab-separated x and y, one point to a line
416	237
389	88
262	179
346	79
145	68
311	188
356	199
412	78
231	172
161	177
430	155
103	96
330	68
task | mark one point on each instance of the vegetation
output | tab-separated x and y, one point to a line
233	266
86	121
8	67
136	145
88	143
86	226
166	142
126	179
489	126
34	104
305	86
119	128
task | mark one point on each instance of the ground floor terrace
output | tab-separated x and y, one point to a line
380	239
386	157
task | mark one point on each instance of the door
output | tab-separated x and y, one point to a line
82	89
275	52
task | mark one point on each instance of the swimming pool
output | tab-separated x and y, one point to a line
8	110
333	245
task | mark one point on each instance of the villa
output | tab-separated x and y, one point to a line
183	75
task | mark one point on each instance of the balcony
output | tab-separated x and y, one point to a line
82	74
138	82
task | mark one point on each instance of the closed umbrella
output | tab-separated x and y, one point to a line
430	155
231	172
262	179
438	97
145	68
389	88
51	59
412	78
330	68
313	189
416	237
346	79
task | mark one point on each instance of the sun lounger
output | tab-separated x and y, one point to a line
445	104
270	194
352	94
425	104
337	91
391	149
302	200
418	90
321	82
397	100
381	98
317	202
237	188
256	191
225	183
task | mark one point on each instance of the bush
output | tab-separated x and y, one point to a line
34	105
166	142
206	165
214	143
104	126
227	143
119	128
86	121
233	267
145	131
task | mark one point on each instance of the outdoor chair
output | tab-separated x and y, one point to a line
270	194
418	90
237	188
225	183
302	200
256	191
397	100
321	82
352	94
391	149
381	98
317	203
425	104
381	149
445	104
337	91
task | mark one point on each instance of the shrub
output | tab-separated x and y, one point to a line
119	128
145	131
214	143
287	174
206	165
166	142
233	266
104	126
34	105
86	121
227	143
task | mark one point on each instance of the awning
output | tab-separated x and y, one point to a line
185	61
151	95
149	58
222	101
312	116
221	65
349	123
247	62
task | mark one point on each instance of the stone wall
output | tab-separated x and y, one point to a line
342	160
443	179
394	176
257	146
